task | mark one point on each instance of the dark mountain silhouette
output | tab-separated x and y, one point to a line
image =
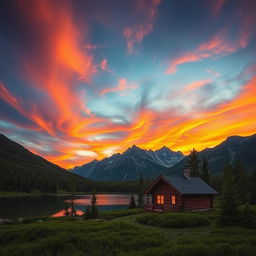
22	170
234	148
130	165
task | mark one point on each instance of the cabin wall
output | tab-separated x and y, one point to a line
162	188
197	202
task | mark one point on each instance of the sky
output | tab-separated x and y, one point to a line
82	80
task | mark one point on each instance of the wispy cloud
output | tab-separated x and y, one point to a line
213	72
135	34
70	92
123	85
217	46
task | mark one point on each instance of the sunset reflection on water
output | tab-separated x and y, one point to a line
62	213
102	199
82	201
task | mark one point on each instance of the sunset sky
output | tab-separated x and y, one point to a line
81	80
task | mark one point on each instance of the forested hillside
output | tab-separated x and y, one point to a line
232	150
21	170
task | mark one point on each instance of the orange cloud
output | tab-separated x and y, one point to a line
216	46
217	6
64	60
197	84
135	34
7	96
219	45
150	129
247	17
122	86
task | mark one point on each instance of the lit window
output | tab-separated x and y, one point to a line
173	199
160	199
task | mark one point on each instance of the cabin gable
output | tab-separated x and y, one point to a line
163	196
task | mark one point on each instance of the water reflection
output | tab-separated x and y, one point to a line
102	199
34	206
63	213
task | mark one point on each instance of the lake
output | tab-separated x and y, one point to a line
54	205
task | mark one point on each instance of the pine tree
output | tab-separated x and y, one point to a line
66	211
140	200
242	183
132	204
94	210
73	191
73	211
193	163
205	171
229	201
87	214
253	187
247	218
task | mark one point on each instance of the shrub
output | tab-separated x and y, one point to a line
248	217
191	250
173	220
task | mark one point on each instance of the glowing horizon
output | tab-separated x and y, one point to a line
83	80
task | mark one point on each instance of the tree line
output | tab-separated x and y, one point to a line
14	177
245	182
237	189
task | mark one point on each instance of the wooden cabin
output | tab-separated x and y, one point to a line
176	193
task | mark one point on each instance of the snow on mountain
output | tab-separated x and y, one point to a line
130	165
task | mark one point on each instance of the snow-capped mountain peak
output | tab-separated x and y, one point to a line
130	164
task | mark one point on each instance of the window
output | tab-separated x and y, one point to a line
160	199
173	199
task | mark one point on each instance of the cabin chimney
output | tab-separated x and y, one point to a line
187	172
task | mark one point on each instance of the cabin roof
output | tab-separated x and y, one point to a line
192	186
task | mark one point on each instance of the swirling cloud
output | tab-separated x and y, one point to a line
70	92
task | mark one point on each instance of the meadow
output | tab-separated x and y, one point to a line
121	233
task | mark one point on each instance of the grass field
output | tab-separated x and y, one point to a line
122	235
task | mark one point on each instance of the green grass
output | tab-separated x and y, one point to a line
15	194
123	236
109	215
173	220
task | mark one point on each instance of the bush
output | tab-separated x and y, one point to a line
248	217
191	250
173	220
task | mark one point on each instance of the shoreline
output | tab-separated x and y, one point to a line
24	194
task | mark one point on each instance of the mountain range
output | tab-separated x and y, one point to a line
233	149
136	161
21	170
130	165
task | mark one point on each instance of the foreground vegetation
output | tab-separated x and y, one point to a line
174	220
118	233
